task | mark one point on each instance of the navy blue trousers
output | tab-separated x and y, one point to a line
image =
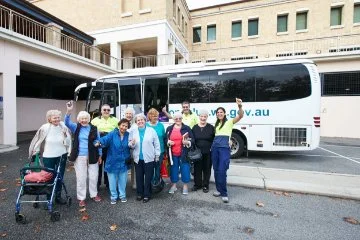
220	157
144	175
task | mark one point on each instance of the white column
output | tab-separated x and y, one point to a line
170	60
115	53
162	48
129	62
9	69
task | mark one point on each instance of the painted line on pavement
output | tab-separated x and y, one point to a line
334	145
309	155
340	155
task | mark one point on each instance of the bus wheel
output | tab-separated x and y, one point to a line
237	146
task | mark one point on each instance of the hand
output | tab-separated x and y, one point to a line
163	109
156	158
69	106
99	160
185	142
133	141
97	144
238	102
170	143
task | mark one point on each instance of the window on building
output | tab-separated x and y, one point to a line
253	27
144	4
174	9
301	20
178	16
336	16
185	30
282	23
182	23
211	33
357	13
236	29
341	84
196	34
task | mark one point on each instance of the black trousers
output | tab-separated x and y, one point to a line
101	169
144	175
202	171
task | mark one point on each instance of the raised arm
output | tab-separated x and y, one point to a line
71	125
240	112
166	113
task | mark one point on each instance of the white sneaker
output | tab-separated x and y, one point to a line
172	190
216	194
225	199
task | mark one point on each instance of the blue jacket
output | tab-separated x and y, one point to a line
118	151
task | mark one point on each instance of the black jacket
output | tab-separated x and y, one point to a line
93	151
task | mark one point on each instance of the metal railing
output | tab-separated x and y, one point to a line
28	27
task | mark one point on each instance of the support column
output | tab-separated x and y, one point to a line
129	62
115	53
170	60
162	48
9	69
53	36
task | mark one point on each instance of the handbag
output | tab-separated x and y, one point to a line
194	154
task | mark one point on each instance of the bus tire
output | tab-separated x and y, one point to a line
237	146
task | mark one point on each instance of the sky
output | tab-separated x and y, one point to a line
205	3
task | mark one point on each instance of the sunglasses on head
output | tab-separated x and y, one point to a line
106	110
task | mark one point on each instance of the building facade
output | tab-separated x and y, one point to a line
140	33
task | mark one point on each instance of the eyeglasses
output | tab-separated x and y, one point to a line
176	119
186	107
106	110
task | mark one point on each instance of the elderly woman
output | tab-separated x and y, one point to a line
145	143
153	116
220	149
84	153
204	136
117	142
179	139
53	141
129	115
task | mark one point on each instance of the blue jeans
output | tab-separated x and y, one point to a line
184	169
117	181
156	178
220	157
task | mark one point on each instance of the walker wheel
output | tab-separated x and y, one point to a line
20	218
68	201
55	216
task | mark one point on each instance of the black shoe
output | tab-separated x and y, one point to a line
146	200
139	198
60	200
195	188
205	189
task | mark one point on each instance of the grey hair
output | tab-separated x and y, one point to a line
131	110
51	113
177	115
82	114
203	112
140	115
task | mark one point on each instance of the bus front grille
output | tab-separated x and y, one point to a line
290	137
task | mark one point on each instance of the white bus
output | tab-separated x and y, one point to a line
281	99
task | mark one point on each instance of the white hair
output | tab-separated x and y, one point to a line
51	113
82	114
140	115
130	110
177	115
203	112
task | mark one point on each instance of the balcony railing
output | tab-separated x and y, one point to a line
28	27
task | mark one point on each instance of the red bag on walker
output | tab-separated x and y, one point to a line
38	177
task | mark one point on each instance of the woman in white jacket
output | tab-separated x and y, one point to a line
146	145
53	142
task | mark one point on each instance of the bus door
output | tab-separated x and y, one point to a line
131	95
156	94
104	92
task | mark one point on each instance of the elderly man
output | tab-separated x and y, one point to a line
105	124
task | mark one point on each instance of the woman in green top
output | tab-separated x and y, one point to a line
220	149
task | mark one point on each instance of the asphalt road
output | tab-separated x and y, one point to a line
196	216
